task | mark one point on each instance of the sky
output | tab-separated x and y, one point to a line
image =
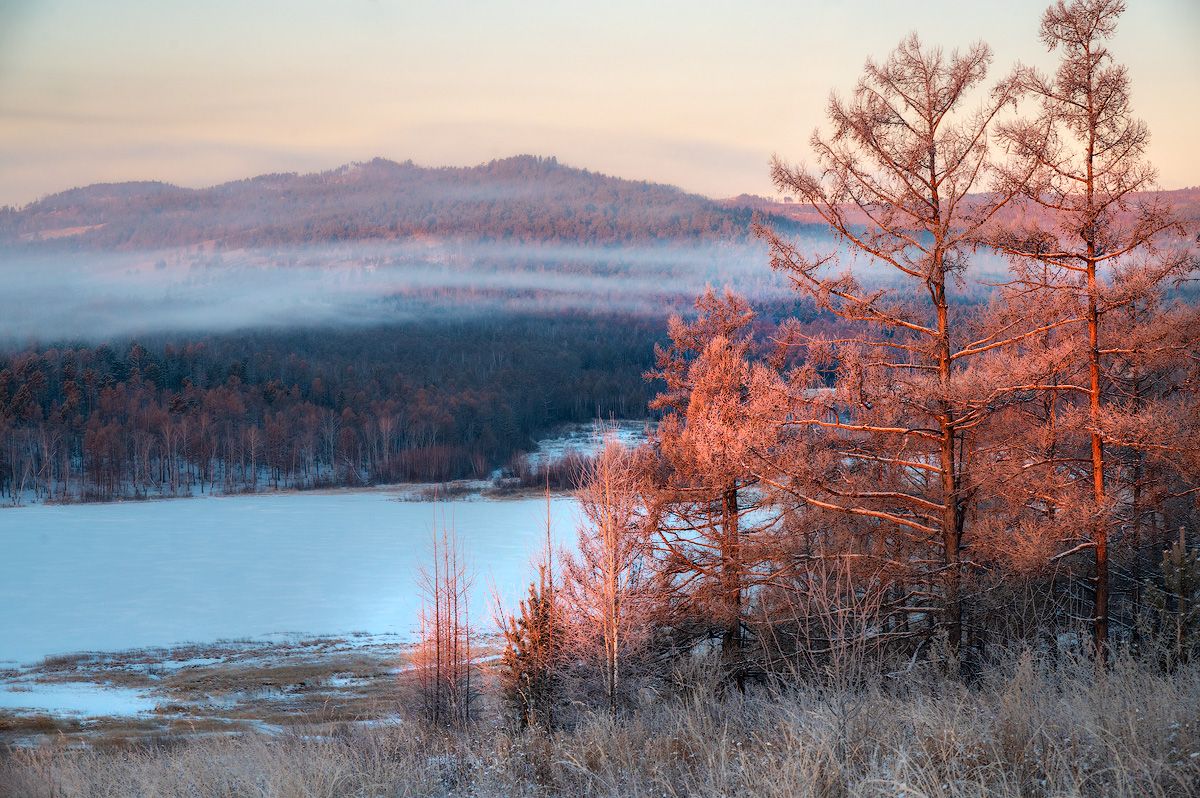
698	94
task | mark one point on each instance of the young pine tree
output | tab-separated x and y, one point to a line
531	663
534	661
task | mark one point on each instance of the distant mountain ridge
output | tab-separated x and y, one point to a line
525	199
520	199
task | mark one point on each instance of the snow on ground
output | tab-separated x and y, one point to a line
111	577
587	439
75	698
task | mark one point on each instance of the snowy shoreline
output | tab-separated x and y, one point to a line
99	599
567	440
225	687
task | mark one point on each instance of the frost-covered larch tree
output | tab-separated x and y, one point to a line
895	180
1096	247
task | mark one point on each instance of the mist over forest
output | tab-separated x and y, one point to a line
463	311
72	295
368	295
379	242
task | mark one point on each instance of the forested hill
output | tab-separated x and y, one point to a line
520	199
1185	201
523	199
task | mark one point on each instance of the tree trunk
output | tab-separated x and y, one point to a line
731	640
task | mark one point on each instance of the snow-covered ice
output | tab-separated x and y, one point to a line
110	577
70	698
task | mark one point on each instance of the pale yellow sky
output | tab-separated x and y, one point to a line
698	94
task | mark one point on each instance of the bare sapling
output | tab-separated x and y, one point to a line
443	660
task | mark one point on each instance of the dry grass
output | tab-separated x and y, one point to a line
1026	730
229	679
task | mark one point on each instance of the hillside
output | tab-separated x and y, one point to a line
520	199
523	199
1185	200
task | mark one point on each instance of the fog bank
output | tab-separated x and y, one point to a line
68	295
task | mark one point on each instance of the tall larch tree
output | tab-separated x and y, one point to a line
1095	243
894	182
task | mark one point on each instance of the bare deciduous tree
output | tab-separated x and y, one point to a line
608	582
442	659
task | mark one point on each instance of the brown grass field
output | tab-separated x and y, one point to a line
1027	728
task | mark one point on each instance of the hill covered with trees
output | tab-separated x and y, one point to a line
520	199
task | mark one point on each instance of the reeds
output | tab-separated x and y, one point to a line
1028	727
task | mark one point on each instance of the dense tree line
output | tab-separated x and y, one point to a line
931	481
416	401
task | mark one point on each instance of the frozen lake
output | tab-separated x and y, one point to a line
110	577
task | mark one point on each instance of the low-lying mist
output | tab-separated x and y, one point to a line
90	296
